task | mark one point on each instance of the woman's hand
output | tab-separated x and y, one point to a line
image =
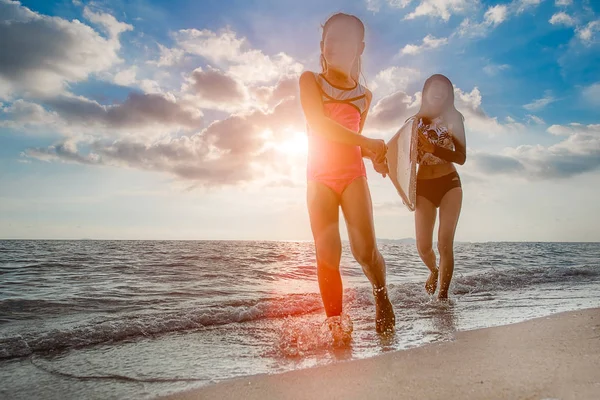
381	168
425	144
377	149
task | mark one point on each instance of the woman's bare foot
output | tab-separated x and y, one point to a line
341	328
443	296
432	282
385	320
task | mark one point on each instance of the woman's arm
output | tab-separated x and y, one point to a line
365	152
458	155
363	117
312	105
457	131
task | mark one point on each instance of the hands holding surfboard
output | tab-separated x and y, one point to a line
376	150
381	168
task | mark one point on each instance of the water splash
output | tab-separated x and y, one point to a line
341	328
299	337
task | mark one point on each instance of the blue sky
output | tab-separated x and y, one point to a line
180	119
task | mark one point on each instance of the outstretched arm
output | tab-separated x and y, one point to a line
380	165
312	105
365	152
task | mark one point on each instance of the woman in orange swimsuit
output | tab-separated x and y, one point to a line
335	106
441	145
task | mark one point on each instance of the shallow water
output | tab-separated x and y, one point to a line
136	319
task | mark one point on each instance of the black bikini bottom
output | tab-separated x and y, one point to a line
435	189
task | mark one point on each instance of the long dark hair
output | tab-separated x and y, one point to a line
447	109
356	69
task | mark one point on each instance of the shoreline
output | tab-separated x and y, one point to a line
553	357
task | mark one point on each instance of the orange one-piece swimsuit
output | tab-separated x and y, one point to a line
335	164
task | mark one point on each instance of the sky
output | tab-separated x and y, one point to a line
180	119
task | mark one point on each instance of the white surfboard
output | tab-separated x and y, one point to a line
402	163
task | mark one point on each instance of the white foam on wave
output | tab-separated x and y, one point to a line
298	337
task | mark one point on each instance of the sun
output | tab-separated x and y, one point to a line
296	144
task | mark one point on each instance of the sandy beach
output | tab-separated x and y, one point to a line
555	357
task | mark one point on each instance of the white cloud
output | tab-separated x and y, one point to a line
59	52
392	79
559	3
168	56
477	120
41	54
375	5
523	5
255	67
398	3
429	42
411	49
592	93
6	89
214	89
216	47
211	88
586	34
493	69
493	17
28	117
137	111
126	77
574	128
140	115
390	113
110	24
562	18
535	119
229	52
442	9
540	103
578	153
237	149
150	86
269	96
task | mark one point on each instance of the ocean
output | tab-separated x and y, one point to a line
139	319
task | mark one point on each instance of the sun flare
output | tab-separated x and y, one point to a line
296	144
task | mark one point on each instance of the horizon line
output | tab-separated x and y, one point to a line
284	240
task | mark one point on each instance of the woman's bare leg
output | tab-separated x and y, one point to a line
449	214
358	212
323	209
425	214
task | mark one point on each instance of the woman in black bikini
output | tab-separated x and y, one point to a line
442	143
